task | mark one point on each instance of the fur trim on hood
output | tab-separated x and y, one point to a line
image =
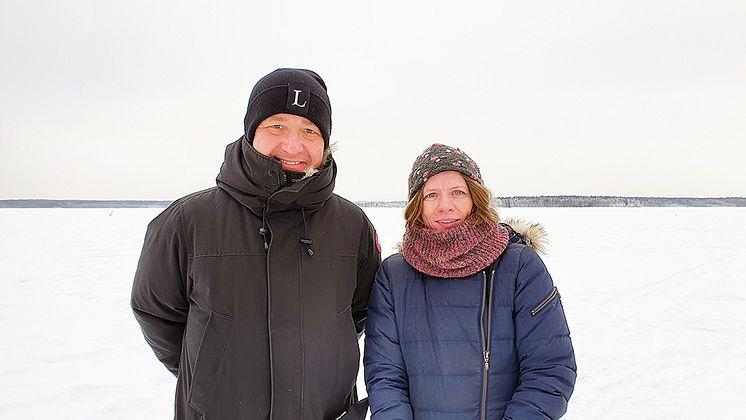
533	234
325	159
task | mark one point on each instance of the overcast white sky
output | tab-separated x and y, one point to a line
137	99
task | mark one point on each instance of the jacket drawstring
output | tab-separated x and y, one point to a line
263	230
305	241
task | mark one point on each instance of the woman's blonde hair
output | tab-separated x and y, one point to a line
480	195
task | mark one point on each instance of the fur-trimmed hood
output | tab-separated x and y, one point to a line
533	234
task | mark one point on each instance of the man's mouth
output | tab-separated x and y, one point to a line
293	165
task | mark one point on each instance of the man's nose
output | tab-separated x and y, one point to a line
292	143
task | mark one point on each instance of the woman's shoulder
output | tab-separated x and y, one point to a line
395	270
395	262
517	257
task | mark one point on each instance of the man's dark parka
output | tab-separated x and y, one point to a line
255	333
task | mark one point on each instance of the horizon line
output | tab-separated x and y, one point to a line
509	201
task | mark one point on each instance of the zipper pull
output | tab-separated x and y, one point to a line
307	243
486	360
264	232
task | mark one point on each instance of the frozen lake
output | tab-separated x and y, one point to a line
655	299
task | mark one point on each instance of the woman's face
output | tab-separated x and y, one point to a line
446	201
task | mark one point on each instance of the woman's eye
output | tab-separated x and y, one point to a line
276	125
459	193
310	131
431	196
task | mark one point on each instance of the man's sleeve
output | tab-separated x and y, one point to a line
546	358
159	293
369	260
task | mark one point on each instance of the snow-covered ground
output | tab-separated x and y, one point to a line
655	298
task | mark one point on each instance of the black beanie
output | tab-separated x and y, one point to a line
289	91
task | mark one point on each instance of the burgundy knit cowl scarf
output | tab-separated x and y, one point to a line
457	252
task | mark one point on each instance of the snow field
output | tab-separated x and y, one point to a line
654	297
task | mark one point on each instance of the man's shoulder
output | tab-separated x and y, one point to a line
198	200
342	204
193	204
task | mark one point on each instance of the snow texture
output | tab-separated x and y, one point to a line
654	297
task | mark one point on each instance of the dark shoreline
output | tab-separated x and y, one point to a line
522	201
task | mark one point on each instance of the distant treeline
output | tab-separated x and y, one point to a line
107	204
609	201
522	201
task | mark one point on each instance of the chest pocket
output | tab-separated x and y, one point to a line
336	281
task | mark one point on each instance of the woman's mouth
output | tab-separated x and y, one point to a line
448	223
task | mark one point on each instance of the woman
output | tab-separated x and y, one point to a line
464	323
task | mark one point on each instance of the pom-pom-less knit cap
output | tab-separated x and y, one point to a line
289	91
440	158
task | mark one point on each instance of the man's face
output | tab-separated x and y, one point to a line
293	140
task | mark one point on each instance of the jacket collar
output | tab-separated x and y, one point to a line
256	181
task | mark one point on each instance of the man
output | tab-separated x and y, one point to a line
253	292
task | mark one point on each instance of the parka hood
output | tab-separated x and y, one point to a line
533	234
255	181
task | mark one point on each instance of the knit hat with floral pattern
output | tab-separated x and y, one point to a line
440	158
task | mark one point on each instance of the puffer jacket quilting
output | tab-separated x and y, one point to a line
424	354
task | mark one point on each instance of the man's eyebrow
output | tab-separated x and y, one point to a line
305	120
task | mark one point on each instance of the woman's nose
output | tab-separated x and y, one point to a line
445	204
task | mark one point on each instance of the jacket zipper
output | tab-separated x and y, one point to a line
269	314
545	302
486	337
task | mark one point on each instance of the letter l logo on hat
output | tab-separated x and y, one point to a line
296	99
298	96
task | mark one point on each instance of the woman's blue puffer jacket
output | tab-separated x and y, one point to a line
426	352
